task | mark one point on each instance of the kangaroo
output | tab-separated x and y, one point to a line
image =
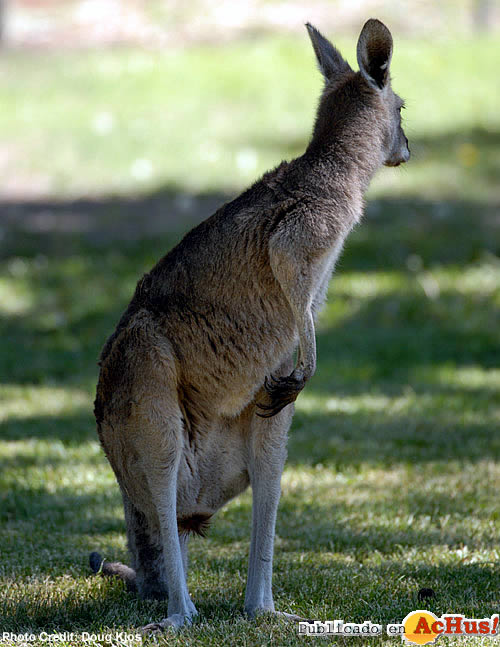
197	383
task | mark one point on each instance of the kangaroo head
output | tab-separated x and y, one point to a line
366	97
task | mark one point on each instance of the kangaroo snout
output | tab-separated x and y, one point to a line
399	157
407	152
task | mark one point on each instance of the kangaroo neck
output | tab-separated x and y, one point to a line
348	156
333	166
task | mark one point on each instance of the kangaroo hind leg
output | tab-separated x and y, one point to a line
145	546
147	575
160	444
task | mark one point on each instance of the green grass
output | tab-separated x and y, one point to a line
393	474
114	121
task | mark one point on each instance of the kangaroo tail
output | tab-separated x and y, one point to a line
101	567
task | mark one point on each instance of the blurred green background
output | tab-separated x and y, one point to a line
122	124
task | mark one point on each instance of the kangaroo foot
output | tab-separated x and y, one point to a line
174	622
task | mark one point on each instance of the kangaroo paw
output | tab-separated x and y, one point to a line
281	392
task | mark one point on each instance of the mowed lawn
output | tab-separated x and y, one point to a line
393	477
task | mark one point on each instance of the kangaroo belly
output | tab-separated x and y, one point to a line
224	359
213	470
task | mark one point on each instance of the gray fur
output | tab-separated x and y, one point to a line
330	60
197	383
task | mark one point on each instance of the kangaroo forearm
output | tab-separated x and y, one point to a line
297	284
306	359
284	390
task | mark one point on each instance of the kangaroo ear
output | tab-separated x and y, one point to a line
374	53
330	61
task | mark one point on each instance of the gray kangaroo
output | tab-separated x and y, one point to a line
197	383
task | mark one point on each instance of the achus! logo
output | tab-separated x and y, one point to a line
424	627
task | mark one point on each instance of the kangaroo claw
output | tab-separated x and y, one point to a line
281	391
